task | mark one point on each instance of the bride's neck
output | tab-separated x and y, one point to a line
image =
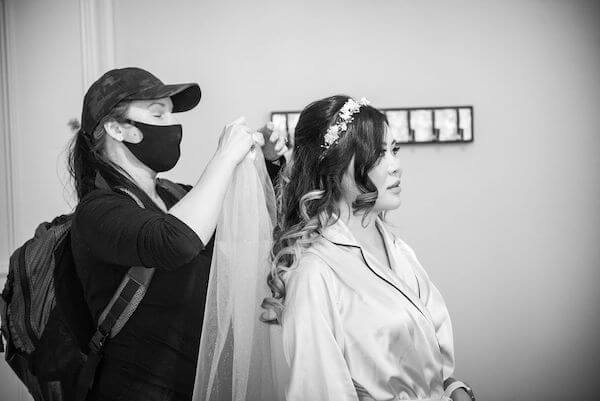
363	230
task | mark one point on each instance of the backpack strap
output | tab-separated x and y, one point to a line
5	297
3	307
124	302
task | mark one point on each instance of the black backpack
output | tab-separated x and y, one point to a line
52	342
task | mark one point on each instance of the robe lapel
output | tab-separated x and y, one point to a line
340	235
393	253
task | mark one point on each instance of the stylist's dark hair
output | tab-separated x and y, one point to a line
87	158
310	186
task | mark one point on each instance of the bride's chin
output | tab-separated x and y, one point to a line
388	206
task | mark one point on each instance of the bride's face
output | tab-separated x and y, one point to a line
386	174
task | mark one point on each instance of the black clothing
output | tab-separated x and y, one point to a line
159	344
157	349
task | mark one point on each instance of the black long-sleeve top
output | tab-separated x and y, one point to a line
159	344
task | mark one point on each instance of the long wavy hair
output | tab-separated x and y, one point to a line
310	186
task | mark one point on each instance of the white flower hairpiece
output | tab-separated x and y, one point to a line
345	117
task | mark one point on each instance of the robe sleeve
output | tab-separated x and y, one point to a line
313	336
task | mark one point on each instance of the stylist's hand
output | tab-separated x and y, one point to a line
236	141
275	142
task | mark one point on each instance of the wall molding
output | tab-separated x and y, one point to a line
97	39
97	56
8	121
7	127
97	23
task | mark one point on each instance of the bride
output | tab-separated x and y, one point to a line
354	315
361	320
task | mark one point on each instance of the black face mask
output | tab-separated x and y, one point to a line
159	149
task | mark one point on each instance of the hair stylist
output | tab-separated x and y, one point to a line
128	134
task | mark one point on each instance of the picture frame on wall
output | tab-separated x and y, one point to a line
465	123
285	121
398	123
292	120
421	125
446	124
411	125
279	121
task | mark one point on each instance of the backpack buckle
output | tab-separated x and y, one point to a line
98	340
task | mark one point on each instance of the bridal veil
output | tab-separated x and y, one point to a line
240	356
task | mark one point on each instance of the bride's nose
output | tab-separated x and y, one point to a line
395	169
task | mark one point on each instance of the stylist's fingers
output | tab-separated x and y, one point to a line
259	139
227	129
245	129
267	132
244	139
238	121
236	141
281	146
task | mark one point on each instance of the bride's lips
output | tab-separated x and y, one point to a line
395	187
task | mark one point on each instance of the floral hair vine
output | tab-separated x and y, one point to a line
345	117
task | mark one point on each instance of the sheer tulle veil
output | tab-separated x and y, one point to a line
240	357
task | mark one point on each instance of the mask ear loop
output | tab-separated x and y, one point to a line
132	122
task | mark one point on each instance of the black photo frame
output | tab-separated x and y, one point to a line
412	125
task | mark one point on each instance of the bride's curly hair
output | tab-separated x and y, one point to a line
310	186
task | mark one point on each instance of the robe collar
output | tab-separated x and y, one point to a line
339	234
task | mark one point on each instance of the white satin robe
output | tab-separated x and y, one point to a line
355	330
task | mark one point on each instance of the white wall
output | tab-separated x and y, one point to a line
45	91
507	226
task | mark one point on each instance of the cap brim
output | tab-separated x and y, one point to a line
184	96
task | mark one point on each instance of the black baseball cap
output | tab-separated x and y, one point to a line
132	83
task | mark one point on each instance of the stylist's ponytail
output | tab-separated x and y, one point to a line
87	157
81	164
